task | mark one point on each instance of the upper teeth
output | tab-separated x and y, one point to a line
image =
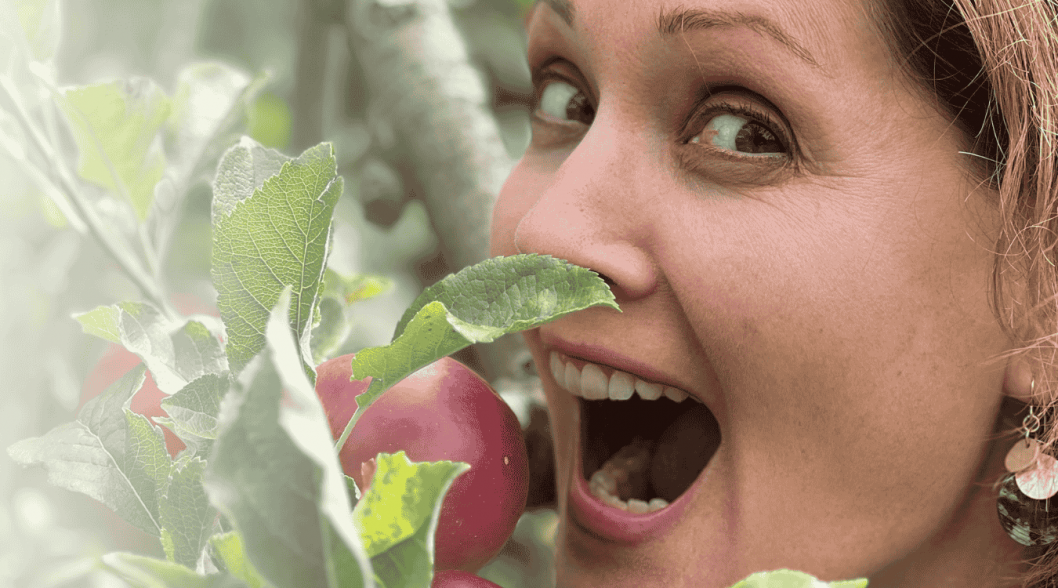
591	383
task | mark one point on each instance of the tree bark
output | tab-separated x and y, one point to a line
418	73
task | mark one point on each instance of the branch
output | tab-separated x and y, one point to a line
417	69
420	78
309	72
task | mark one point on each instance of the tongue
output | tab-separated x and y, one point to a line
683	451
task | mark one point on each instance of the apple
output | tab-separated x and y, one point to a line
460	579
444	411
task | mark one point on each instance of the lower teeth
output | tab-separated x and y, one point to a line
625	474
598	485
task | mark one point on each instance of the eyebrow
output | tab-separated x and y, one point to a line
683	20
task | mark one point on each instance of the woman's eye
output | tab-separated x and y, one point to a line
565	102
740	134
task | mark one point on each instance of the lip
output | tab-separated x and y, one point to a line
585	509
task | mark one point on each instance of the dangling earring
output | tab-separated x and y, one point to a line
1026	509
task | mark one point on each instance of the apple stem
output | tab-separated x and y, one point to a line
367	399
348	429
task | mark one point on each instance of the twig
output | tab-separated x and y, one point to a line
128	264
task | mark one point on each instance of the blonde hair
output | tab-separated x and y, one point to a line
992	65
1019	45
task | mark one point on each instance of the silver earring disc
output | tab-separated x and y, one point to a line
1021	455
1041	481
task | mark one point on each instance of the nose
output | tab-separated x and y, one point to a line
595	213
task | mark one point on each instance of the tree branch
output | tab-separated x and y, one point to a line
309	72
418	72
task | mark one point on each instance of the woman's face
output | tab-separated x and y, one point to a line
791	234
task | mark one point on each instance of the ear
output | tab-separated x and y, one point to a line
1018	381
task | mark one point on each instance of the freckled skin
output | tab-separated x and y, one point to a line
834	316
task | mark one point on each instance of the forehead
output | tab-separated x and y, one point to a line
828	32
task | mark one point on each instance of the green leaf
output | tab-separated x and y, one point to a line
103	322
210	99
107	453
397	517
794	579
116	126
186	515
515	293
147	572
275	475
175	352
340	293
146	461
278	237
496	297
233	556
193	410
401	499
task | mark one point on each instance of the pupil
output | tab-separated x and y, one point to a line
579	110
754	138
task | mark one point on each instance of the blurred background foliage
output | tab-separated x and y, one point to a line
314	92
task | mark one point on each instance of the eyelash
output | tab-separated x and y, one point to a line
696	120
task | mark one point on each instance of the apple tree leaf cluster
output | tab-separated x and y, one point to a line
176	352
258	497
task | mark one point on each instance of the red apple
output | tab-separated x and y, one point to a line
460	579
444	411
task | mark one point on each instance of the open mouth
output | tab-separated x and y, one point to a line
643	444
640	455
